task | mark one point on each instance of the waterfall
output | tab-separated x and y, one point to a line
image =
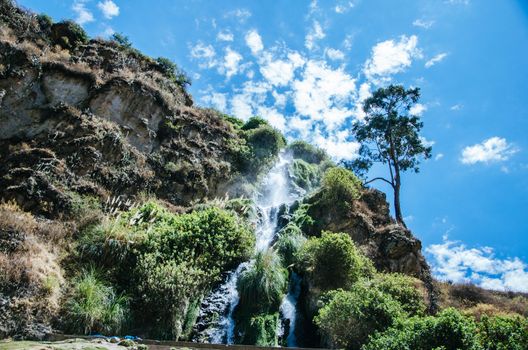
288	310
276	190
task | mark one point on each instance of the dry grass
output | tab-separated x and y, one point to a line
478	301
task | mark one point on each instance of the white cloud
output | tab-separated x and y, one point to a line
390	57
347	43
439	156
494	149
231	64
107	32
338	145
324	94
438	58
423	23
426	142
276	119
280	99
108	8
418	109
457	107
315	33
83	14
254	41
343	7
217	100
205	53
334	54
455	262
281	72
225	36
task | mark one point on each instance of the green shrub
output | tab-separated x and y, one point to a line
45	22
289	243
93	306
340	187
349	317
401	288
307	152
68	34
122	40
305	175
173	72
264	145
449	330
254	123
262	286
332	261
262	330
503	333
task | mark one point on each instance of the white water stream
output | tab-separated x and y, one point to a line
276	191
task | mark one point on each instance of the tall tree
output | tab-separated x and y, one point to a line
389	135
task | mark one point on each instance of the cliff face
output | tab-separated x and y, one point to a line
101	120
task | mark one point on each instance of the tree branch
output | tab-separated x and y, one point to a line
379	178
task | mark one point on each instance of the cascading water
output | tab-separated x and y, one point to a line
277	190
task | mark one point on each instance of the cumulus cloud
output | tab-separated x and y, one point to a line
418	109
217	100
225	36
453	261
438	58
494	149
83	14
423	23
390	57
334	54
254	41
108	8
281	71
315	33
324	94
231	63
338	145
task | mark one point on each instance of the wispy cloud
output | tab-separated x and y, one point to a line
225	36
494	149
334	54
83	14
453	261
108	8
316	33
423	23
438	58
241	14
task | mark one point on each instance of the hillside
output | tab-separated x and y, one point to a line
127	209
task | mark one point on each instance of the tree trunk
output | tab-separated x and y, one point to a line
397	207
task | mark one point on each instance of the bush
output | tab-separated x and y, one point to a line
264	145
340	187
263	285
255	123
349	317
289	243
122	40
449	330
307	152
262	330
401	288
93	306
68	34
173	72
503	333
305	175
45	23
333	261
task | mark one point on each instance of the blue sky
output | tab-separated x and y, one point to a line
307	65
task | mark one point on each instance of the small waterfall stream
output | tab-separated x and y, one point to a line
276	190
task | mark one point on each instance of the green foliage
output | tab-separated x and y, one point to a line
45	22
262	286
254	123
307	152
340	187
165	260
305	175
264	144
68	34
449	330
173	72
122	40
237	123
262	330
349	317
289	243
93	306
503	333
401	288
333	261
